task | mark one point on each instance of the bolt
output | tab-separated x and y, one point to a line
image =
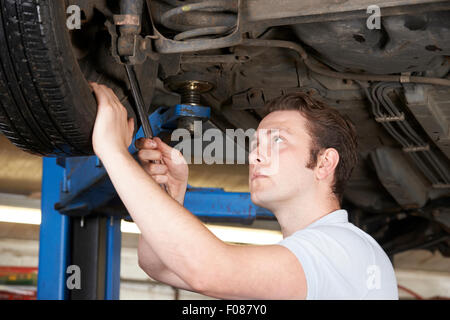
348	81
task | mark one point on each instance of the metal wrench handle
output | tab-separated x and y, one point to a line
136	91
139	101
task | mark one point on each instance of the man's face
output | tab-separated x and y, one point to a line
280	153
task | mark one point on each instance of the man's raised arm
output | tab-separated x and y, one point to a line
180	239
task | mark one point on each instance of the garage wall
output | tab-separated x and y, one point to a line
425	273
19	246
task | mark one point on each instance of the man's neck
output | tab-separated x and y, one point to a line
297	214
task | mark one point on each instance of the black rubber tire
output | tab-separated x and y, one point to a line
46	105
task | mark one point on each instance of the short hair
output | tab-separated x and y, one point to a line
327	129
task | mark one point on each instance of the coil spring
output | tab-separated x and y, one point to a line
219	14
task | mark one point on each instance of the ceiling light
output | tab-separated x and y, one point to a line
20	215
225	233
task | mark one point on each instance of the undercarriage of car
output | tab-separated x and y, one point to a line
387	73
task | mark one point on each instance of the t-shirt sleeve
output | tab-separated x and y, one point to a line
326	263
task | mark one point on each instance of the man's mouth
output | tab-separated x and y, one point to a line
257	176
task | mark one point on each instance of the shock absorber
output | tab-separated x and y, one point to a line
129	22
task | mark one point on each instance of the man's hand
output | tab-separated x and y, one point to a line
113	132
172	170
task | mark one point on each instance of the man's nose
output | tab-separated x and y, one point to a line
256	157
253	157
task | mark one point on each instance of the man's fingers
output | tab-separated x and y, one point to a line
100	95
145	143
114	97
166	153
161	179
174	155
149	155
105	95
156	169
165	149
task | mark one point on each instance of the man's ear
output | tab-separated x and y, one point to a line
326	163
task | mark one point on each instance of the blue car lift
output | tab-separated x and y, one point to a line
81	215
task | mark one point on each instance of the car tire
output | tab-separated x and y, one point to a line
46	105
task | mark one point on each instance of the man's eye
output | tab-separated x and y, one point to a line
278	139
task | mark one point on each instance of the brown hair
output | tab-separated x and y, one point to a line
327	129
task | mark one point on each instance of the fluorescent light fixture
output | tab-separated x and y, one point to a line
20	215
245	235
225	233
129	227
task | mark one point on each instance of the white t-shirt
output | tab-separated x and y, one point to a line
341	261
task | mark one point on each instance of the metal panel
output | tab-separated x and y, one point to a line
430	105
54	237
86	187
397	174
113	248
290	11
88	252
218	205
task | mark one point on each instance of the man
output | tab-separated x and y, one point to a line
322	255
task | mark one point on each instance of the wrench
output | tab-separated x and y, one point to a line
137	95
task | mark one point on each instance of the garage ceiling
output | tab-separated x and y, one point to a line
20	172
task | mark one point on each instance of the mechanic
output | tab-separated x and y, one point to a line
321	256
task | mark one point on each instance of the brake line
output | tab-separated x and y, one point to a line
340	75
